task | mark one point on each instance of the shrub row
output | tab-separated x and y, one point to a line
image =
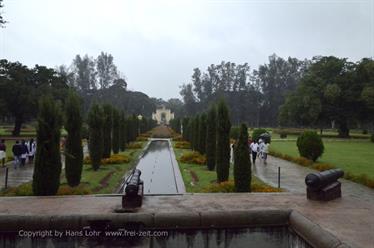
183	145
361	179
229	187
25	189
113	159
193	158
291	131
134	145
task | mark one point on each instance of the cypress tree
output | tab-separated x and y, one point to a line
108	123
195	131
223	142
202	133
242	162
47	170
73	147
96	140
122	131
211	138
115	131
185	128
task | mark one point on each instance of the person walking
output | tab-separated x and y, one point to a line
31	146
2	152
24	152
254	150
17	152
265	151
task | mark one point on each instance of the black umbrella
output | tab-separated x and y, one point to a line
266	137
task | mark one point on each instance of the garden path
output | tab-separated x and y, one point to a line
16	176
293	176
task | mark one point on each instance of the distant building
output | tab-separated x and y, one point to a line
163	115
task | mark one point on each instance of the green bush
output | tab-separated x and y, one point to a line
257	132
372	138
310	145
234	132
283	135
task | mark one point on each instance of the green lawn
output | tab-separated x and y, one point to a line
103	181
354	156
207	178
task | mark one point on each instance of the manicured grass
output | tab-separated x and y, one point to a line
354	156
103	181
106	179
207	178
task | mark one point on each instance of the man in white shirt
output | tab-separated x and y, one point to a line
254	149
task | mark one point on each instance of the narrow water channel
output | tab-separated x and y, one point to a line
159	169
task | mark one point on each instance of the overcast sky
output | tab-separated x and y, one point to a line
156	44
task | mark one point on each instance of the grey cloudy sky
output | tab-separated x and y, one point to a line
156	44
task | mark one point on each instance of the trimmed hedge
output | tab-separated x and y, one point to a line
310	145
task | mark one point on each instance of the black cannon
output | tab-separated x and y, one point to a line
134	190
324	186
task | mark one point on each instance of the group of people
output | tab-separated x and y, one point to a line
259	149
22	152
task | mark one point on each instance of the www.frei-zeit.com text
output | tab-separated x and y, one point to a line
91	233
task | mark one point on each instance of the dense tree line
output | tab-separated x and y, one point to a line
333	91
319	92
22	87
253	96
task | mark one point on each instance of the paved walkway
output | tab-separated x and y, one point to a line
293	176
16	176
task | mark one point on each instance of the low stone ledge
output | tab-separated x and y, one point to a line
313	233
177	220
245	218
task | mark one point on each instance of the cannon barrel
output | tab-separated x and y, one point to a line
320	180
132	186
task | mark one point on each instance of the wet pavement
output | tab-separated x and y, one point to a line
16	176
292	178
160	171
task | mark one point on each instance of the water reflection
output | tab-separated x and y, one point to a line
264	237
157	169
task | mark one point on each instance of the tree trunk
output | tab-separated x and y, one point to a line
17	126
343	131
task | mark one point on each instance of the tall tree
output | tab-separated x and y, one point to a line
122	131
2	21
47	170
106	70
242	162
328	92
107	129
211	138
202	133
196	132
73	147
84	73
96	137
188	99
116	131
223	142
